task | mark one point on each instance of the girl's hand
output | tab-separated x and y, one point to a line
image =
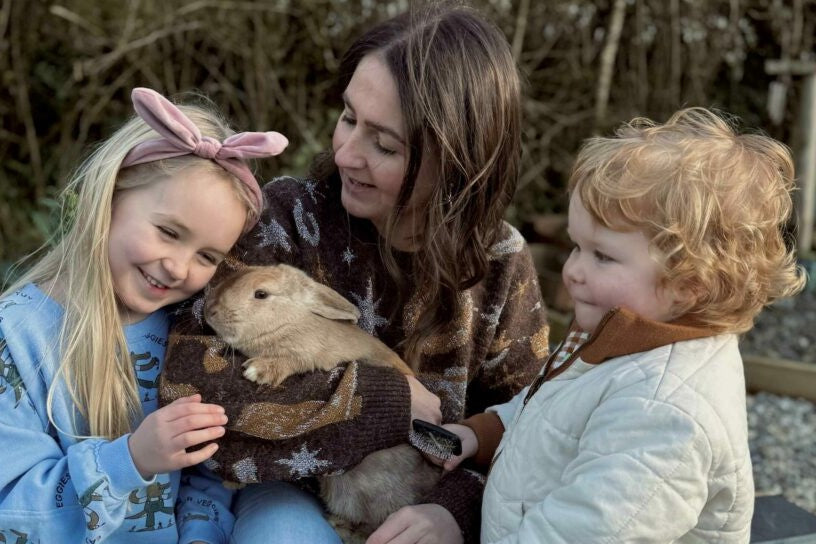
158	444
425	523
470	445
424	404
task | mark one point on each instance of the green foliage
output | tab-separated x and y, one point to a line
67	70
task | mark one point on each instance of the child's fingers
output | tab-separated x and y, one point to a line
194	438
199	456
190	398
196	421
174	412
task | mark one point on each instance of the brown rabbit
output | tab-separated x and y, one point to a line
287	323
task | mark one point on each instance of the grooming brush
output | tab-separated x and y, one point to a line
434	440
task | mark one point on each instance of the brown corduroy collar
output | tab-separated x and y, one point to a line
622	332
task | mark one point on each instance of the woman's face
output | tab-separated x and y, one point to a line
370	148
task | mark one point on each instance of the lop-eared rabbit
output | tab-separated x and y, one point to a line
286	323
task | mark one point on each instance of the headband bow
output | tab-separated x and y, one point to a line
180	136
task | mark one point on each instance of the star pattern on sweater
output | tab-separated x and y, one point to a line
273	234
454	385
311	189
492	315
369	319
245	470
312	236
348	256
198	309
303	462
511	244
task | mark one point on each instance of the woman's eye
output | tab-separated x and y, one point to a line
168	232
384	150
261	294
346	118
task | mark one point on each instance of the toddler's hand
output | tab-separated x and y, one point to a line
470	445
158	444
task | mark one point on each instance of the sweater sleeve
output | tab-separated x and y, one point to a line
74	496
313	424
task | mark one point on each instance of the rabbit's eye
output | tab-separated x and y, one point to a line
261	294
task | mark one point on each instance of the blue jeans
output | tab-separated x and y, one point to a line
279	513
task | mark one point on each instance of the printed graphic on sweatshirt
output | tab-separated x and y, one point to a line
10	536
89	496
147	374
10	380
156	508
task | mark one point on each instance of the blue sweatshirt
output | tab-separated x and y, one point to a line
55	488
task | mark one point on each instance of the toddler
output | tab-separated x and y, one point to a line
635	429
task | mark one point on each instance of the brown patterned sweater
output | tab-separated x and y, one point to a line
327	421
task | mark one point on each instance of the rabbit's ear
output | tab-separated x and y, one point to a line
325	301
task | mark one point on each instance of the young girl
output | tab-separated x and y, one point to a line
635	429
88	456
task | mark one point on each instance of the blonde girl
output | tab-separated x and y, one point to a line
89	456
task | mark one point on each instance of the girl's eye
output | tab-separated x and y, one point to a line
261	294
209	258
168	232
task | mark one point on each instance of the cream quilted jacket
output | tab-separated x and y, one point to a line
645	446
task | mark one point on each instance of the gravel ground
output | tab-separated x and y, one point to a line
786	330
782	429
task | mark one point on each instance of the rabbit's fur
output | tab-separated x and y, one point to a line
286	323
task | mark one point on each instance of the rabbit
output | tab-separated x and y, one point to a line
286	323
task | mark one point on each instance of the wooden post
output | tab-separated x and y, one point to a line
806	154
807	166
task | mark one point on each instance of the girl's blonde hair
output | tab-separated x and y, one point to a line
714	204
94	361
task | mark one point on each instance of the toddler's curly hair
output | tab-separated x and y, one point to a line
714	204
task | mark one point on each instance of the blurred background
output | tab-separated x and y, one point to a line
68	68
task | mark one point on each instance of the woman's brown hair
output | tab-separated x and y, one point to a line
460	96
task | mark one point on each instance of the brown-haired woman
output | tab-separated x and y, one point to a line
404	218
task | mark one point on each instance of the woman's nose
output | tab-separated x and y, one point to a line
347	152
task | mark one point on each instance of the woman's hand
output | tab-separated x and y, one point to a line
421	523
424	404
159	444
470	445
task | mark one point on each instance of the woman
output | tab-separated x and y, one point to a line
404	218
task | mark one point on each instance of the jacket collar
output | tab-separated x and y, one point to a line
623	332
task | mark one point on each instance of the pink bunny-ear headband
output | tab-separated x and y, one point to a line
180	136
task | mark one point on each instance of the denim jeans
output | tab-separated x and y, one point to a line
279	513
